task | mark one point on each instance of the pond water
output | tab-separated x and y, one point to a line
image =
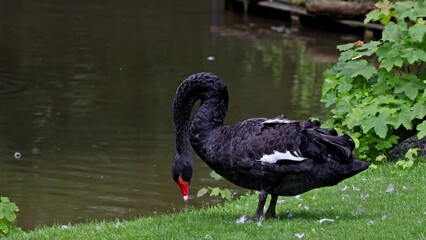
86	89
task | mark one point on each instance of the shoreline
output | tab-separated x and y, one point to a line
362	207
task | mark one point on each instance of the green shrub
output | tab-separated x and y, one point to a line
377	89
410	158
8	212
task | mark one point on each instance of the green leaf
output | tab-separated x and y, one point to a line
226	194
413	55
405	117
411	10
7	215
404	164
384	49
418	31
368	49
385	19
420	109
388	143
345	47
391	58
372	16
372	109
379	124
10	215
387	64
392	32
422	130
386	100
420	54
411	154
329	99
354	117
347	55
215	176
4	226
384	6
410	85
372	166
345	85
215	191
381	158
361	68
202	192
356	140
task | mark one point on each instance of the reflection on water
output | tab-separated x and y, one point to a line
86	91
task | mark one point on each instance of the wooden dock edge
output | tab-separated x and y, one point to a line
298	13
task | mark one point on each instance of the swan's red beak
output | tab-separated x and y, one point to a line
184	188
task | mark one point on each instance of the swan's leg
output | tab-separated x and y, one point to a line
261	204
270	213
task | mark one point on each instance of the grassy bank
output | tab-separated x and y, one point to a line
382	203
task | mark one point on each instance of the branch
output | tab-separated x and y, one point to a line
418	68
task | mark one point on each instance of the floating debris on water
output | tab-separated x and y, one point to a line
35	151
17	155
211	58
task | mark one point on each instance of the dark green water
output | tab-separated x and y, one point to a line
86	89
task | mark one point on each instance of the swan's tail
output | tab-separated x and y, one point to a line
324	144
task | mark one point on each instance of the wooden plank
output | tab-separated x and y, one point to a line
284	7
297	10
354	23
339	9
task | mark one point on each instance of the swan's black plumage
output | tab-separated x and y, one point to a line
248	153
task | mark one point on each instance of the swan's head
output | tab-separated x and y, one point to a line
182	173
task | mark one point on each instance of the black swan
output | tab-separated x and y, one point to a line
275	156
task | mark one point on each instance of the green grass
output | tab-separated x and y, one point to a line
361	208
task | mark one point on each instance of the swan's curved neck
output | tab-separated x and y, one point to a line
211	91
